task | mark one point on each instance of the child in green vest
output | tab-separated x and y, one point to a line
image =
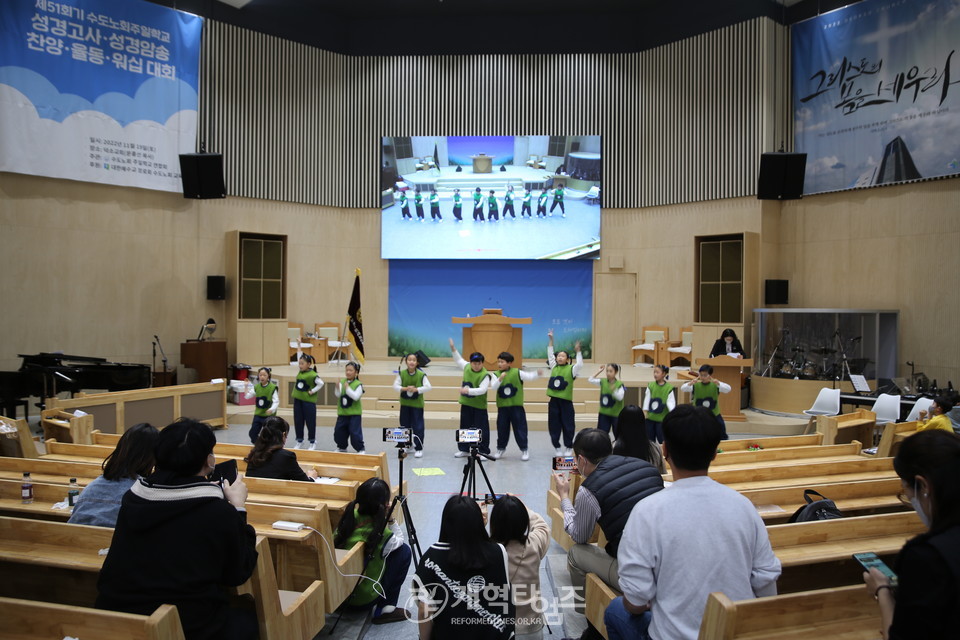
477	205
525	210
509	389
348	391
508	204
387	555
268	400
658	401
418	203
435	205
405	206
411	383
457	205
542	204
560	414
473	400
305	401
493	206
558	200
705	392
611	396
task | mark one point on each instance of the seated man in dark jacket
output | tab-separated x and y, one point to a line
611	486
180	539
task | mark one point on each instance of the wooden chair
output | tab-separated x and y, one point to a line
893	435
858	425
64	426
336	343
296	342
18	443
646	346
670	352
31	620
598	596
845	612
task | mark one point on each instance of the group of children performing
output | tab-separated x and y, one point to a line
479	200
507	383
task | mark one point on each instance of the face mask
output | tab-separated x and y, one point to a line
915	501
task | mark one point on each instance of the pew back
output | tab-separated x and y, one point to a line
31	620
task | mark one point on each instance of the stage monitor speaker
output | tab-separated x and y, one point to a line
776	291
202	175
216	287
422	359
781	176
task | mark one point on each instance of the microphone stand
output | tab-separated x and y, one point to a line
163	357
766	372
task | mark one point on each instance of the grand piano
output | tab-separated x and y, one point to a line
43	375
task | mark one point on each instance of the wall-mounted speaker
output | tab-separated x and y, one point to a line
202	175
781	176
776	291
217	287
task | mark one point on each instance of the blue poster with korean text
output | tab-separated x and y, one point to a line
876	93
98	90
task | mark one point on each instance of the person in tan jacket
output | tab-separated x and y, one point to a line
526	537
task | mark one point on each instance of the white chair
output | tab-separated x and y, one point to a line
887	408
923	404
826	404
646	347
593	195
336	345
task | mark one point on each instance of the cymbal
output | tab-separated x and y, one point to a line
824	351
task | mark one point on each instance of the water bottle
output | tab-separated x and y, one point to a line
26	489
73	491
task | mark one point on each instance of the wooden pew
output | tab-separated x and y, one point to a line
893	435
50	471
804	473
64	426
44	497
31	620
852	498
817	555
845	612
20	443
563	538
858	425
302	494
776	442
598	596
784	455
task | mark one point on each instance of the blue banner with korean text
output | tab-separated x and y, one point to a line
98	90
876	93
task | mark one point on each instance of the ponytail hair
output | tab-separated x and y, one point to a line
371	502
306	357
273	435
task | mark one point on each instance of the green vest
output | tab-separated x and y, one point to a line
508	198
526	198
609	406
477	197
542	200
415	379
264	398
510	392
473	379
417	199
306	380
560	384
347	406
659	394
558	195
707	395
493	202
457	201
403	199
364	592
434	199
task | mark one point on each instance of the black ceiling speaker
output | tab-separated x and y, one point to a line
202	175
781	176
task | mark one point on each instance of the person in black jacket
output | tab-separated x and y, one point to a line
926	601
180	539
727	345
268	458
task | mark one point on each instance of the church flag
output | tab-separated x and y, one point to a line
355	320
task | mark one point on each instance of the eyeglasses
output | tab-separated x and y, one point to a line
902	497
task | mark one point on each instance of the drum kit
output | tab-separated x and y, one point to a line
801	366
807	362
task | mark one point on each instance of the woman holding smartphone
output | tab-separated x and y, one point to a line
926	601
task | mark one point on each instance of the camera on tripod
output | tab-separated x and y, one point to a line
399	435
468	436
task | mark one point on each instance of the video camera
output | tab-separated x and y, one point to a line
469	436
565	463
399	435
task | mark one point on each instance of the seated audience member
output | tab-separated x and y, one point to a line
727	345
180	539
268	458
936	417
461	584
691	539
632	440
925	602
611	485
526	537
387	555
99	503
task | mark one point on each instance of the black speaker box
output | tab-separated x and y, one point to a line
781	176
776	291
217	287
202	175
422	359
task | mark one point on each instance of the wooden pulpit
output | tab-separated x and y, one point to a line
492	333
727	369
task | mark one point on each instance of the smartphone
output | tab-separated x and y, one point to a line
226	470
565	463
490	498
871	561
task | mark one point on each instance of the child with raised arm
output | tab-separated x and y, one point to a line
473	400
508	386
267	403
411	383
305	401
561	419
705	392
349	410
658	401
611	396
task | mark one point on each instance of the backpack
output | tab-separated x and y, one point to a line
822	509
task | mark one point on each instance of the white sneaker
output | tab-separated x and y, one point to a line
341	450
460	454
558	452
418	454
498	454
313	446
568	453
524	455
299	445
362	452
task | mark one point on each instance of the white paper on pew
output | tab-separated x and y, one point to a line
70	638
60	506
216	381
326	480
79	414
769	508
666	483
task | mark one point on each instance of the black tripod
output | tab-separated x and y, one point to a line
405	509
470	472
